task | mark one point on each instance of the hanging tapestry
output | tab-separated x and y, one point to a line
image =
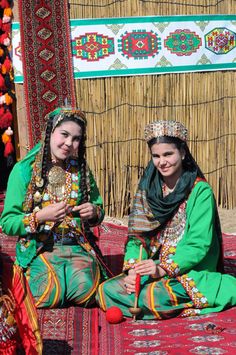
46	58
148	45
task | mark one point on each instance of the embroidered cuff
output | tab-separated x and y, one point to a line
170	267
199	300
190	312
129	264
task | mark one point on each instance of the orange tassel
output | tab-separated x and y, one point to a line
6	139
8	99
7	12
6	66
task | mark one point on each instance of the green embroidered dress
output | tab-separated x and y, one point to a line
187	247
60	264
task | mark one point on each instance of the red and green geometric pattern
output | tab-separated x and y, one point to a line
120	46
183	42
139	44
92	46
220	40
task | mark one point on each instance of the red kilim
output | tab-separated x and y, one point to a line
47	60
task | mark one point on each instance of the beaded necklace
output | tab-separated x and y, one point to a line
69	187
70	192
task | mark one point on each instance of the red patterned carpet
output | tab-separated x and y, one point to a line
69	331
85	331
174	336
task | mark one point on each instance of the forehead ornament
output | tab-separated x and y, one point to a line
165	128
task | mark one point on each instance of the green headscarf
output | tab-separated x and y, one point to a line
151	209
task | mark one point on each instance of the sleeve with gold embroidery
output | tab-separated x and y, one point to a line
199	246
132	250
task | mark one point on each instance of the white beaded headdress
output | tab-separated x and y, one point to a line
165	128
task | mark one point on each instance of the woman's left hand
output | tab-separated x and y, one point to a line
86	210
148	267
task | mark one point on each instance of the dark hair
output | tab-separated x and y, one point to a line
189	162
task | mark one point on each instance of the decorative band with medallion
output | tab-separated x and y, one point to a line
146	45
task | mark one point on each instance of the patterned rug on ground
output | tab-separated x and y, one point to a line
174	336
70	330
47	60
78	331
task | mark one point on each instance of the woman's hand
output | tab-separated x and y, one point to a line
144	267
55	212
129	281
148	267
86	210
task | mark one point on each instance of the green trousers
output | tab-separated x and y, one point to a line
67	275
157	299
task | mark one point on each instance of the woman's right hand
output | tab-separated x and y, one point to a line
55	212
129	281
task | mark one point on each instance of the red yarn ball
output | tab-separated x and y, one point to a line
114	315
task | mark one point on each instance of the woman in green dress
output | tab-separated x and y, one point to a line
51	202
174	218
